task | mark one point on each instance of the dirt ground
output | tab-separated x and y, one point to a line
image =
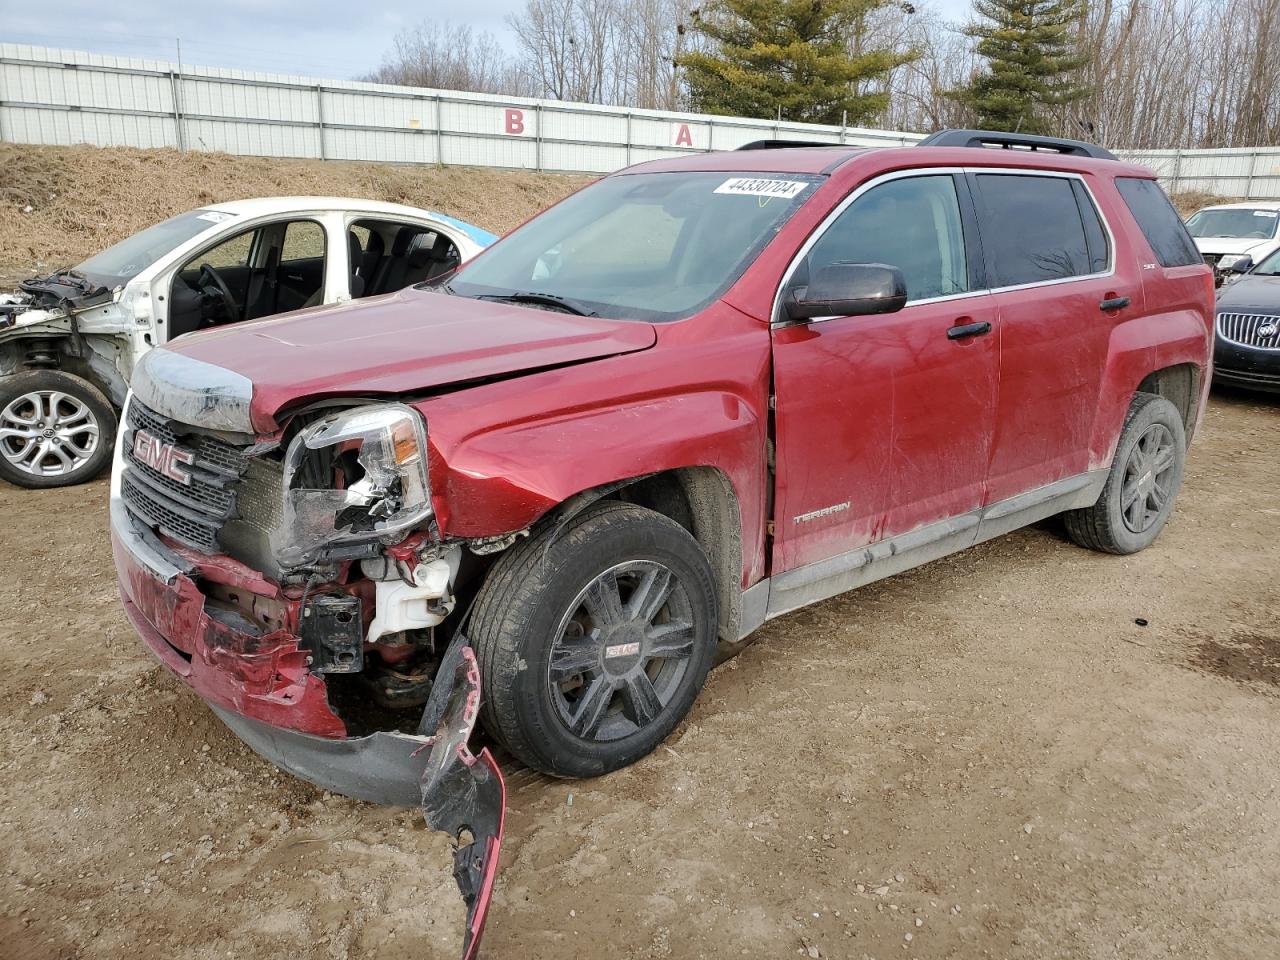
986	757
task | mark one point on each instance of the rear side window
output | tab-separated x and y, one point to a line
1159	222
1033	229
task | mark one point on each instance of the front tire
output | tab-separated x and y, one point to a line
1145	477
56	429
594	640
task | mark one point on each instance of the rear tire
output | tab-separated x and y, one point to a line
594	640
56	429
1145	477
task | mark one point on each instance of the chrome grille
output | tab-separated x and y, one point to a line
192	514
1250	330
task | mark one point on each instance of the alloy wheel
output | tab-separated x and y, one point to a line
1146	486
48	433
621	650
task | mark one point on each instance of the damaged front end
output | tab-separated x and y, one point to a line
57	296
67	320
296	582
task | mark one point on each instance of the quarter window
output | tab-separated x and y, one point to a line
913	224
1033	229
1159	222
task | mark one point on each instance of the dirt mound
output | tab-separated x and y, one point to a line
1192	200
66	203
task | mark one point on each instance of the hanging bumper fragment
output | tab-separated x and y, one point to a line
463	794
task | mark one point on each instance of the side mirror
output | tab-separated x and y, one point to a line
1241	263
848	290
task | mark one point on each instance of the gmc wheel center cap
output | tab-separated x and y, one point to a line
622	649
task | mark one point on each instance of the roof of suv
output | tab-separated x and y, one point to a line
825	160
782	160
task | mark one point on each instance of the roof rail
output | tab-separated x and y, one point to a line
785	144
1015	141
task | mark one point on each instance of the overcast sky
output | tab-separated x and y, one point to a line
327	39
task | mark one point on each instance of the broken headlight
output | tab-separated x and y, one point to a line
351	478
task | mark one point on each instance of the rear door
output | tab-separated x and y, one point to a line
1052	266
884	422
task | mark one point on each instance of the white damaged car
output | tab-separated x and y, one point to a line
69	341
1233	236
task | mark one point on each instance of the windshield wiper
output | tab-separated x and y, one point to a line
543	299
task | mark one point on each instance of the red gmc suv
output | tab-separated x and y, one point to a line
699	393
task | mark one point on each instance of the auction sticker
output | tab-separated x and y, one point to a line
215	216
756	187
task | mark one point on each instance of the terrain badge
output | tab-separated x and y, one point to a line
821	512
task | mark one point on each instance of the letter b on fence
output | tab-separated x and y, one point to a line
514	121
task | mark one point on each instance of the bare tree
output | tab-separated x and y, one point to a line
604	51
653	36
569	47
916	89
1169	73
449	56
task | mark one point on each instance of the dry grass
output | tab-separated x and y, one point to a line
1192	200
85	198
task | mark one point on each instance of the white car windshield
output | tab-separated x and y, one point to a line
1234	224
125	260
645	246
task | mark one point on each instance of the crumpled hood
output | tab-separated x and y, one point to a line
406	342
1250	292
1220	245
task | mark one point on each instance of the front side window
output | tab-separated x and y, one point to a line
1032	229
647	246
231	253
1234	224
913	224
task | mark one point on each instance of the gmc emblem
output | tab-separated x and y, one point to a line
164	458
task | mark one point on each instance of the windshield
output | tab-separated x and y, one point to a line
647	246
128	258
1235	223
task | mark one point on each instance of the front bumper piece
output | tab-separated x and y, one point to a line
260	687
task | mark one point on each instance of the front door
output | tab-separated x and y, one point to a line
883	423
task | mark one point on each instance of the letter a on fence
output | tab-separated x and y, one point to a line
683	137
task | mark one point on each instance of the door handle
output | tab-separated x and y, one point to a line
963	330
1114	303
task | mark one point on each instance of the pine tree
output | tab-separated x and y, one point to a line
788	59
1033	63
